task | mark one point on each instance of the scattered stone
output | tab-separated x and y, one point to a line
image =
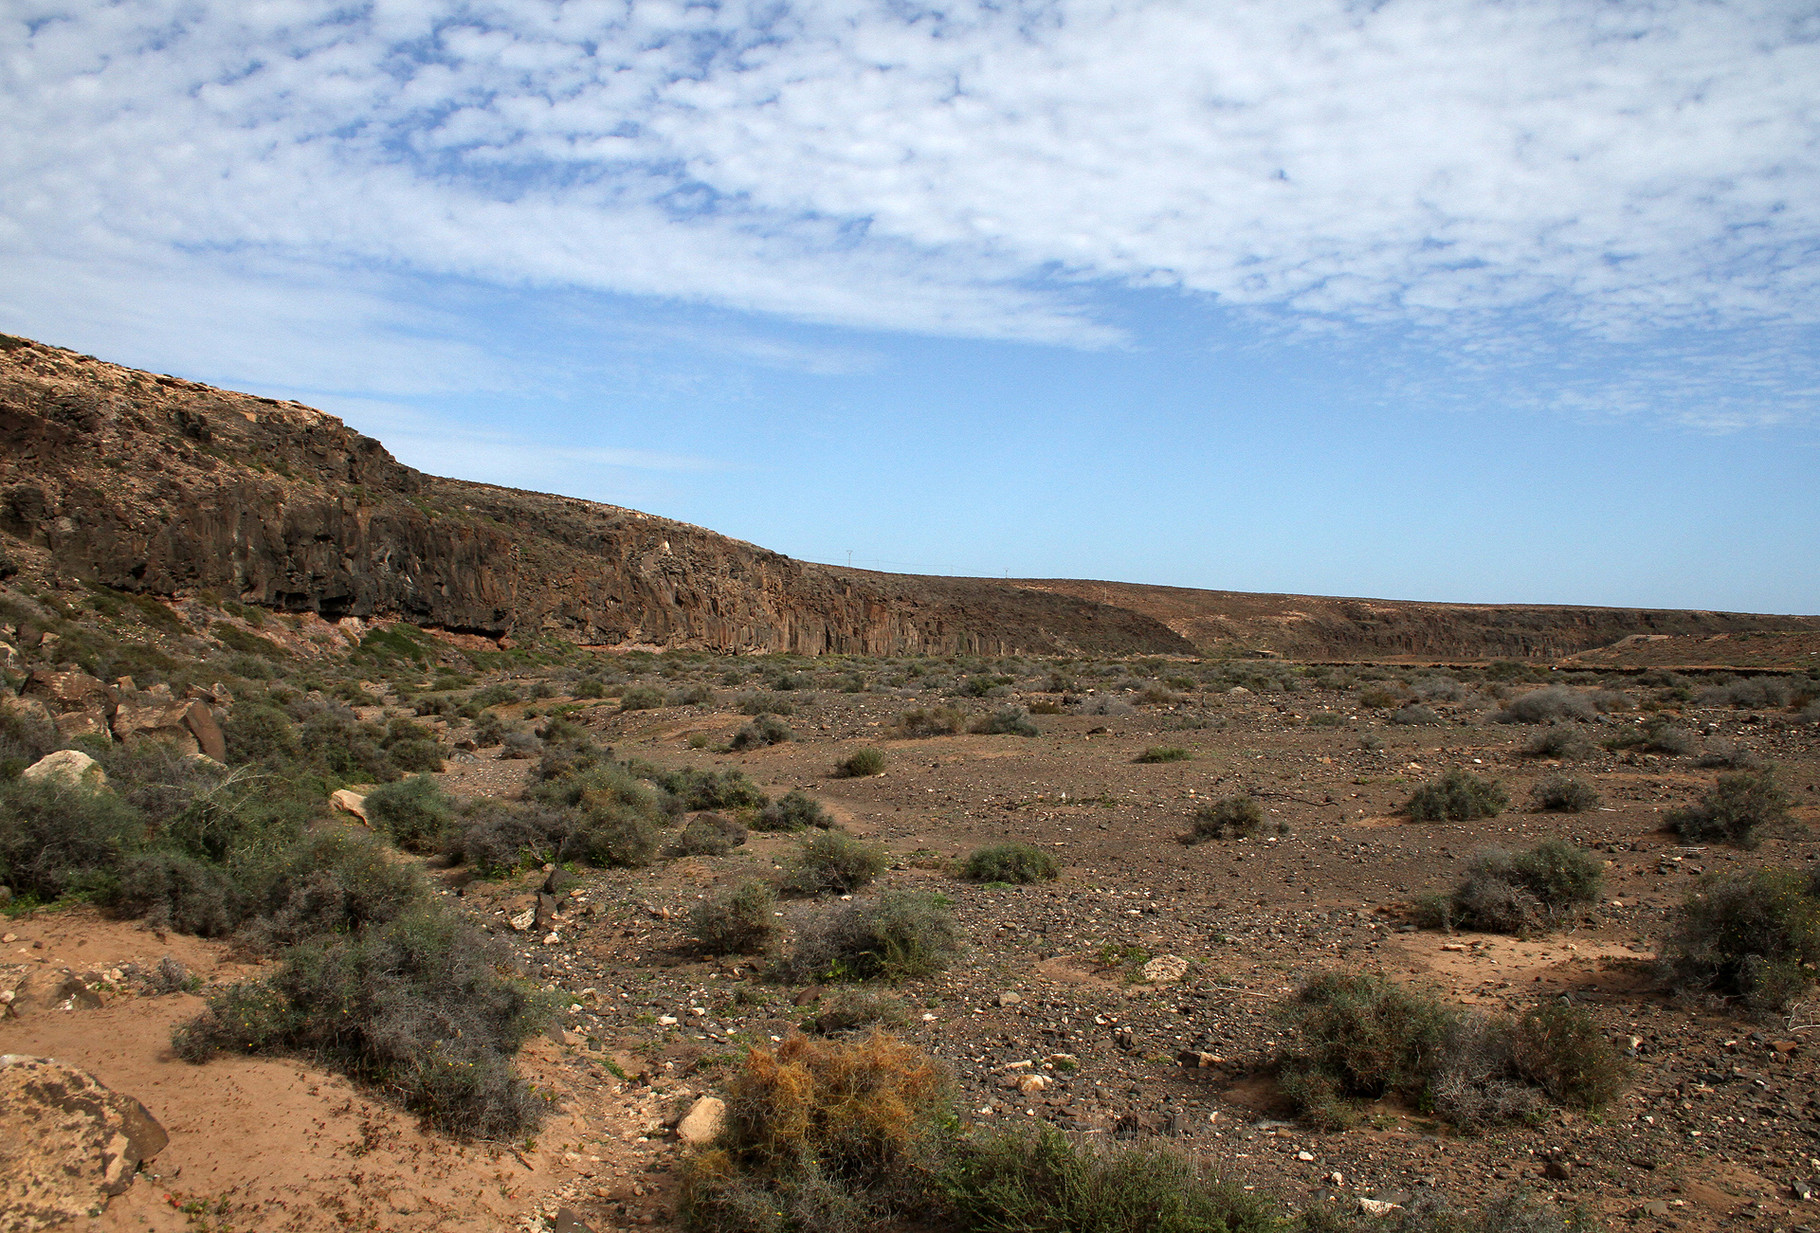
703	1121
1164	969
71	1144
1376	1207
147	718
1008	998
79	704
71	766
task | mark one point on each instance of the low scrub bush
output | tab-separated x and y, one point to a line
1010	862
1564	741
765	704
1560	1048
691	695
1565	794
710	834
834	863
690	789
1382	697
923	721
1415	715
738	921
496	836
1163	753
793	811
415	1007
641	698
860	764
1006	721
1740	805
899	934
335	881
1657	734
1755	693
764	731
848	1009
1753	937
498	694
1456	797
1546	705
1521	893
59	838
414	812
1233	817
1727	755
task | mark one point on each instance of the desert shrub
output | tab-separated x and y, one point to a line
1729	756
59	838
1326	719
1739	805
334	881
1657	734
173	890
1559	741
1360	1036
1456	797
1438	689
899	934
1751	936
1545	705
861	764
25	737
710	834
641	698
765	704
496	836
1475	1084
1232	817
823	1136
613	835
490	730
1010	862
1006	721
736	921
922	721
520	747
1106	704
1039	1181
497	694
260	734
691	695
761	732
1382	697
793	811
414	812
1560	1048
1521	893
848	1009
691	789
1755	693
1163	753
414	1007
563	732
1565	794
834	863
1415	715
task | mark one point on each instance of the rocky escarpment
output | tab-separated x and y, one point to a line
154	484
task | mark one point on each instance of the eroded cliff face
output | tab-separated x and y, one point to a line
159	485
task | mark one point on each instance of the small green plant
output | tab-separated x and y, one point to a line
793	811
1739	805
1163	753
765	704
834	863
736	921
861	764
1657	734
1565	794
710	834
1415	715
921	722
1558	740
1010	862
1560	1048
1456	797
414	812
1233	817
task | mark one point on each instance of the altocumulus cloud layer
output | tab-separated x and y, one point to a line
986	170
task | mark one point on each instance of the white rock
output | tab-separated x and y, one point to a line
524	920
1164	969
703	1121
1008	998
1376	1207
552	939
72	766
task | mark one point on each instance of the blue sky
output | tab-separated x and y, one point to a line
1436	299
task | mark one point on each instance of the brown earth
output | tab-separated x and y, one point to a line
1720	1118
158	485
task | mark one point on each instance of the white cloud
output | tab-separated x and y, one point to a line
1610	168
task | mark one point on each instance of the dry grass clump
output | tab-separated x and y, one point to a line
860	764
848	1009
1456	797
1657	734
1546	705
1010	862
926	721
764	731
1006	721
1753	937
1415	715
740	920
1739	805
1163	753
1232	817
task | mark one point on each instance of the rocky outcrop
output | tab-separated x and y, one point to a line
67	1142
157	485
81	705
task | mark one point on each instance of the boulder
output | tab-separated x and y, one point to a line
70	1143
79	704
1164	969
701	1125
342	800
149	717
69	765
200	720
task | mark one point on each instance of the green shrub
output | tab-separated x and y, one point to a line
834	863
1006	721
1010	862
765	704
1415	715
1163	753
25	737
414	812
793	811
1360	1036
1232	817
335	881
690	789
261	735
1565	794
861	764
59	838
1456	797
899	934
1563	741
497	694
1383	696
1546	705
710	834
498	836
641	698
761	732
1750	936
848	1009
1657	734
414	1007
1738	806
737	921
1520	894
1561	1049
174	890
921	722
